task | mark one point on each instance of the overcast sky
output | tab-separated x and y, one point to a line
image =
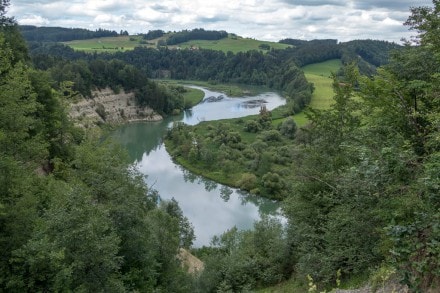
260	19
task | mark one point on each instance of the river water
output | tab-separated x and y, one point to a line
212	208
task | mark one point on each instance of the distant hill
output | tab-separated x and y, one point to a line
111	41
60	34
368	54
231	43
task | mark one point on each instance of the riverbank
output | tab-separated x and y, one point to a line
252	153
232	90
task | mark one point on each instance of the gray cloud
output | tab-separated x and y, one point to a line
260	19
210	19
314	2
399	5
164	8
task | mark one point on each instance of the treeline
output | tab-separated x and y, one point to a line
77	73
60	34
360	182
195	34
252	67
368	54
74	216
153	34
277	69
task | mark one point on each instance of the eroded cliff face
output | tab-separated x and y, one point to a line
108	107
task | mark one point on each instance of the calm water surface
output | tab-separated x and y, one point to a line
212	208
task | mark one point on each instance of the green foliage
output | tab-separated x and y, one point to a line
264	46
153	34
425	20
252	126
186	230
246	259
73	215
247	181
360	183
242	164
59	34
195	34
288	128
75	247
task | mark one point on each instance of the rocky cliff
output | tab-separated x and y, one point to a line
106	106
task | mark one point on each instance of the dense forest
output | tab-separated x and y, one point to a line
360	182
59	34
74	216
368	54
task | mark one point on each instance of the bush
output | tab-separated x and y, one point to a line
100	109
271	135
288	128
252	126
247	181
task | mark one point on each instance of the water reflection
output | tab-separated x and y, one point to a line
212	208
225	192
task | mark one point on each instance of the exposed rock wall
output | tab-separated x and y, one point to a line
108	107
192	264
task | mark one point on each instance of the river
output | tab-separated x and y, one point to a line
211	208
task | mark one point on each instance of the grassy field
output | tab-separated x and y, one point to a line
233	44
319	75
109	44
124	43
193	96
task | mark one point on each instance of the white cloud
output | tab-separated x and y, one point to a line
260	19
34	20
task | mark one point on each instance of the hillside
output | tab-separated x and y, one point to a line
368	54
233	44
106	44
60	34
121	43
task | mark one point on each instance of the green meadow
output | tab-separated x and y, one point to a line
193	96
234	44
319	75
108	44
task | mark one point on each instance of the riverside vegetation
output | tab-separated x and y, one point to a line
359	181
252	153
